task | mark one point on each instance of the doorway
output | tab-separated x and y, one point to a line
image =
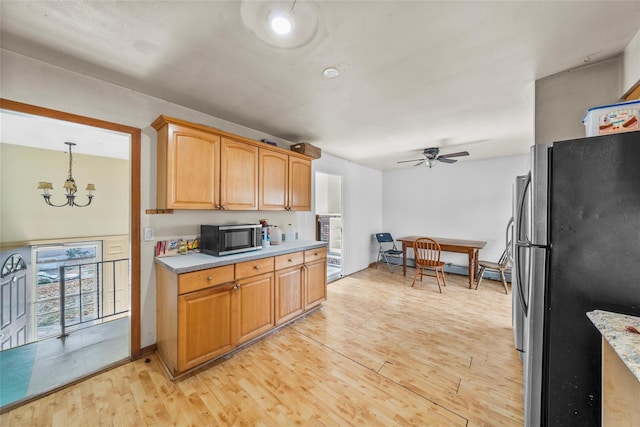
329	223
95	261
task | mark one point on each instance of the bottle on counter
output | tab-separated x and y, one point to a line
276	235
266	236
290	233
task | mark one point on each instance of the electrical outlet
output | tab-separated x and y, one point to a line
149	234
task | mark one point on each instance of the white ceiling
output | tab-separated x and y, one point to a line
51	134
414	74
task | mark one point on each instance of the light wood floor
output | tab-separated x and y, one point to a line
378	353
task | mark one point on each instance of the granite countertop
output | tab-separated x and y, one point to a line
196	261
626	344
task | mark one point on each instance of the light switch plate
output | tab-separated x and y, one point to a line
149	234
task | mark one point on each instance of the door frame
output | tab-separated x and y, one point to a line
134	226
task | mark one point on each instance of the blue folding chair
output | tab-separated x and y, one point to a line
387	249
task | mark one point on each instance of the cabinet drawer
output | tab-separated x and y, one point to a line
314	254
252	268
194	281
289	260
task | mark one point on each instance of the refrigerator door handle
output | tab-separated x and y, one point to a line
523	303
524	241
521	244
508	240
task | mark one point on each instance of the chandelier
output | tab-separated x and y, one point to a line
69	186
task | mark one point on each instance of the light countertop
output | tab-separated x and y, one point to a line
626	344
196	261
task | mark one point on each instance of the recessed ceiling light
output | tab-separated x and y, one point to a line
281	22
331	72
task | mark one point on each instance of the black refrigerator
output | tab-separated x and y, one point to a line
577	249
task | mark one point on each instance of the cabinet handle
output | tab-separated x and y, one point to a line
217	206
290	260
257	267
210	278
235	287
223	207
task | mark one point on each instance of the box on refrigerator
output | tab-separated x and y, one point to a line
615	118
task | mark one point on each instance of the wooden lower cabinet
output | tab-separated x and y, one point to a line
316	283
315	261
205	325
205	314
289	294
255	306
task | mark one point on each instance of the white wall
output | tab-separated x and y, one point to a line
467	200
631	64
362	203
328	192
24	216
563	99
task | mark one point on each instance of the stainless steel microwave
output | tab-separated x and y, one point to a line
230	239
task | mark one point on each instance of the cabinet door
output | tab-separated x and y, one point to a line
316	283
299	184
205	325
255	306
191	177
274	182
289	294
238	175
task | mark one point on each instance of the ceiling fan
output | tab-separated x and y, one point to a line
431	156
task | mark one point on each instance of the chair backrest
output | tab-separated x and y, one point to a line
384	237
506	255
427	251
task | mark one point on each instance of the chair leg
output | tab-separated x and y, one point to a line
386	260
479	279
443	279
438	279
504	282
418	271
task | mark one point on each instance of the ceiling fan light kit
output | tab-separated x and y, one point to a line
431	157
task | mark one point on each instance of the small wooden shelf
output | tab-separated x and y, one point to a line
158	211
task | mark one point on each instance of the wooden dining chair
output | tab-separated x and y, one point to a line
427	253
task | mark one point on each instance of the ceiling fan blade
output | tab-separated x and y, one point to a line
458	154
414	160
418	164
445	160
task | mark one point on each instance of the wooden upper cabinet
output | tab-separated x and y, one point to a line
274	180
205	168
238	175
299	184
188	168
285	182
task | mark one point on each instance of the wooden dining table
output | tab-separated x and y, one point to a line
470	247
